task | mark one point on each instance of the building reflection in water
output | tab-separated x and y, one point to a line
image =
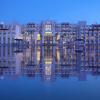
49	62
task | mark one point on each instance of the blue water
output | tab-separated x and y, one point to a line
29	78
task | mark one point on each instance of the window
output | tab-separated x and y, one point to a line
4	40
4	33
48	33
48	27
12	40
8	40
0	40
38	37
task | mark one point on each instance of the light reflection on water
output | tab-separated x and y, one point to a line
48	62
49	71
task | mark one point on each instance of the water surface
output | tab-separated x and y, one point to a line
49	73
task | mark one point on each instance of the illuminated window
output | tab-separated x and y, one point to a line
48	33
38	37
58	37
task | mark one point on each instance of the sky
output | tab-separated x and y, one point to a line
24	11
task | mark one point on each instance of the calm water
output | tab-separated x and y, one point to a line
49	73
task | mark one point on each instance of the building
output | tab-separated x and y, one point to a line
30	33
8	33
49	32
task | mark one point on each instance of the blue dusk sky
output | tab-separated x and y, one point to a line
72	11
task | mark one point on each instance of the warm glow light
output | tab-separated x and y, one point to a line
58	37
48	61
48	33
38	37
58	55
38	55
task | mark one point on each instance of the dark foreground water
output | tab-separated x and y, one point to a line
49	73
